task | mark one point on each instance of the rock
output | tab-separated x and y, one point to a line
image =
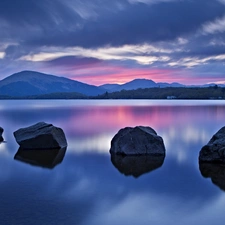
137	141
214	171
137	165
214	151
40	136
47	158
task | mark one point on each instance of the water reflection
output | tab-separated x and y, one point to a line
47	158
136	165
92	191
214	171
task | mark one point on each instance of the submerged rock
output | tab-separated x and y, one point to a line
137	165
214	151
40	136
139	140
47	158
1	132
214	171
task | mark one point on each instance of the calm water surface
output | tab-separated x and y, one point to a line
87	188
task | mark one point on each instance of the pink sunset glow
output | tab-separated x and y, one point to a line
97	72
120	75
101	72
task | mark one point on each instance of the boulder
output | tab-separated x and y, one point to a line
139	140
137	165
1	132
214	151
40	136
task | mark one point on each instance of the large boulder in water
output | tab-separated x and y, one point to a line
139	140
214	151
40	136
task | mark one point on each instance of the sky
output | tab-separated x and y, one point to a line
105	41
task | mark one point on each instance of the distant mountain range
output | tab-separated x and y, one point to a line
27	83
145	83
31	83
138	83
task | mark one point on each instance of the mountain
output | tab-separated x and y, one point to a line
109	86
27	83
138	83
174	84
213	84
35	85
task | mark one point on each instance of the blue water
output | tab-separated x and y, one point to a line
86	188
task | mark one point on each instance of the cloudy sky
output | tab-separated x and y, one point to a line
105	41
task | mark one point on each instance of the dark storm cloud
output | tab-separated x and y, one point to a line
24	19
205	45
200	47
139	23
58	24
23	11
73	61
206	51
13	52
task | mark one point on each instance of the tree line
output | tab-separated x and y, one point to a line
213	92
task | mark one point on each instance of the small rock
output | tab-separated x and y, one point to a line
139	140
40	136
214	151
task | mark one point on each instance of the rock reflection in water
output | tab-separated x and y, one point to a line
136	165
214	171
47	158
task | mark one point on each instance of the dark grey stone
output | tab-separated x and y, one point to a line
214	151
139	140
40	136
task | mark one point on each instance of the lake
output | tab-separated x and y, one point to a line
88	188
